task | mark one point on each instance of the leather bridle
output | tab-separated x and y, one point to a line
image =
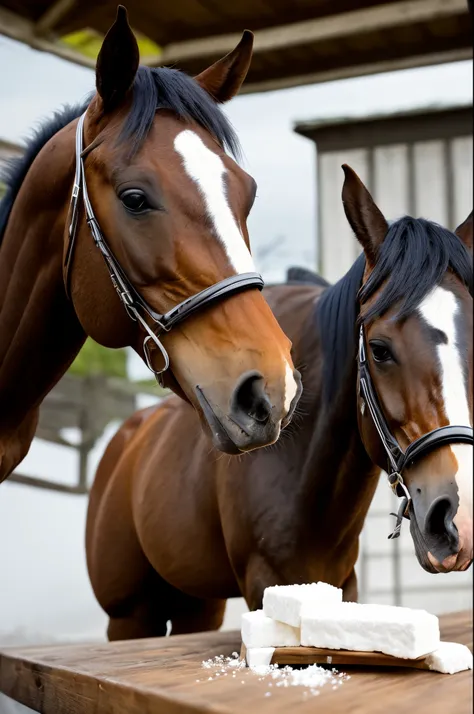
399	460
136	307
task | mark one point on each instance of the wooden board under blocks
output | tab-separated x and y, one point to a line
316	655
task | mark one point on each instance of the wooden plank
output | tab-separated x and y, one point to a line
342	25
391	180
356	69
22	30
165	676
461	162
400	127
56	11
335	658
338	247
430	173
45	484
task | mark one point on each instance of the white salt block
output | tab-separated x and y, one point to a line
397	631
284	602
258	630
259	658
449	658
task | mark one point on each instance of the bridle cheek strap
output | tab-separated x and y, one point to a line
136	307
399	460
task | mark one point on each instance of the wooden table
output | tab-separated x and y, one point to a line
158	676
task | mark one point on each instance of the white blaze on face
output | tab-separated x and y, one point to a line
207	170
290	387
439	310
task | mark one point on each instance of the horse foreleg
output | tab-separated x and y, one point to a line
259	575
145	618
195	615
157	605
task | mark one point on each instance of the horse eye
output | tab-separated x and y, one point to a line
380	352
134	201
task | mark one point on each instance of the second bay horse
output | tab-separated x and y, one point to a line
174	528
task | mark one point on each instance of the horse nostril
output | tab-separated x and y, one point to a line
250	398
439	521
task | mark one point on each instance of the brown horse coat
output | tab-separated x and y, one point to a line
172	205
174	528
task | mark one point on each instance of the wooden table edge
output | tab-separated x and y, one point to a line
27	676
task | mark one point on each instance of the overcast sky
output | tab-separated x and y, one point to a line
33	84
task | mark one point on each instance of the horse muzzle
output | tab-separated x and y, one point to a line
442	537
249	423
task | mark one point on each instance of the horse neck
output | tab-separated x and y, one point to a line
337	478
39	331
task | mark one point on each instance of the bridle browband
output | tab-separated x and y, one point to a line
131	299
398	460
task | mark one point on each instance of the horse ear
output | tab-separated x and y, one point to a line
464	231
223	79
366	220
117	62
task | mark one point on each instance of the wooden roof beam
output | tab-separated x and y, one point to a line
358	70
53	15
22	30
355	22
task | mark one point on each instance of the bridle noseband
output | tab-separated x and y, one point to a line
398	460
132	301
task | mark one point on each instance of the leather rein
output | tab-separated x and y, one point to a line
136	307
399	460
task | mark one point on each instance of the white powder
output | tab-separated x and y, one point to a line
311	678
223	664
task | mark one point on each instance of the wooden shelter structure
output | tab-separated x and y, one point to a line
297	42
87	405
9	150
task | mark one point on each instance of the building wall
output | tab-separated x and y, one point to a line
431	179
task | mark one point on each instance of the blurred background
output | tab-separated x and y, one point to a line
383	86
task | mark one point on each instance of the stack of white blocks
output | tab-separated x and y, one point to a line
314	615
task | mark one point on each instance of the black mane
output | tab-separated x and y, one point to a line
153	89
297	274
412	261
337	312
16	169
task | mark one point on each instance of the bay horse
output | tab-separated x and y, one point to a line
174	529
156	225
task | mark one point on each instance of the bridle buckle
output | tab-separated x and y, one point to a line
395	480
